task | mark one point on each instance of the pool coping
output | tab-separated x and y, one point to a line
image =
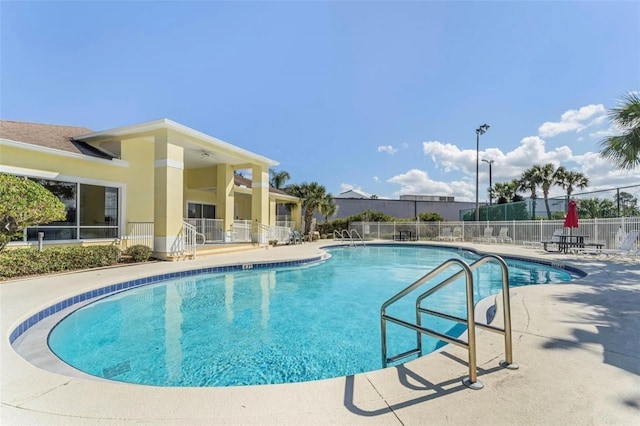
391	396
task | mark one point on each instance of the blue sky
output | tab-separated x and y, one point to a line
383	97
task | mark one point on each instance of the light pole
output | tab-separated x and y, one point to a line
479	131
490	163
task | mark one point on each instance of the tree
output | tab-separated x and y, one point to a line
278	179
570	180
624	150
529	181
311	195
25	203
430	217
328	207
591	208
507	192
628	204
548	177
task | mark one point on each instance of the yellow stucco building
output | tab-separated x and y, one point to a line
155	177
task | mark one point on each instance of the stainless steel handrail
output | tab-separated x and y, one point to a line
506	305
470	344
358	234
471	381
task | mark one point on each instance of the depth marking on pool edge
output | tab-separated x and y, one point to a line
117	369
247	266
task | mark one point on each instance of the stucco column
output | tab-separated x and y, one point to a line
225	198
296	215
168	196
260	195
272	212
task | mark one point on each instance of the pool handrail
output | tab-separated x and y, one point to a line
470	344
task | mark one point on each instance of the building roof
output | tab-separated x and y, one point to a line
49	136
353	193
243	181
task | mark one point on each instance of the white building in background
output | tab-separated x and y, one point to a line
353	193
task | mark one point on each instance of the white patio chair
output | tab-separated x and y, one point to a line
627	247
457	234
503	235
487	237
445	235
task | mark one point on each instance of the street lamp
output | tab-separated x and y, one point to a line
479	131
490	163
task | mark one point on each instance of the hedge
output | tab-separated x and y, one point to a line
30	261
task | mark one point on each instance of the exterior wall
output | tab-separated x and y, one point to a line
140	176
243	204
153	182
201	178
399	208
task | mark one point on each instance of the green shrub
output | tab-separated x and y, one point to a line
21	262
138	253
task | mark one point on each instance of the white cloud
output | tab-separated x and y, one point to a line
449	159
531	150
376	179
388	149
574	120
418	182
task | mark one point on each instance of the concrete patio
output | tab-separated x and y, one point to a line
577	345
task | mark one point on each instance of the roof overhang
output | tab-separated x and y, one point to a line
199	144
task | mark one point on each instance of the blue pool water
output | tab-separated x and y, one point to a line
271	326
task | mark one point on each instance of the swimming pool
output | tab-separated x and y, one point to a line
269	326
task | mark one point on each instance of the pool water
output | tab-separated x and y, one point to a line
272	326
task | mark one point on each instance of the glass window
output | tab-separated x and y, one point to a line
208	211
92	212
98	206
67	193
201	211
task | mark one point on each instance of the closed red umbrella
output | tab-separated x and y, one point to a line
571	219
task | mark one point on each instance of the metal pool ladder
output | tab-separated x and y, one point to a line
471	381
345	234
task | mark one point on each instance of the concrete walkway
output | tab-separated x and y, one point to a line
577	345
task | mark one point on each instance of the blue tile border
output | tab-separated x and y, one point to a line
114	288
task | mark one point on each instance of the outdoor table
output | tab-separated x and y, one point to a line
406	236
567	241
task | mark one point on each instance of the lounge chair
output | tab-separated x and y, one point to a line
503	235
295	237
487	237
457	234
627	248
445	235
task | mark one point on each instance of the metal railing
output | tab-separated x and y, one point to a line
346	235
212	229
241	232
188	239
138	233
472	380
521	232
264	233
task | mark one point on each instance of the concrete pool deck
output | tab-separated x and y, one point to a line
577	345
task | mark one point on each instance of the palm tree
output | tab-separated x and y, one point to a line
278	179
569	180
328	207
506	192
548	177
529	181
311	195
624	150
